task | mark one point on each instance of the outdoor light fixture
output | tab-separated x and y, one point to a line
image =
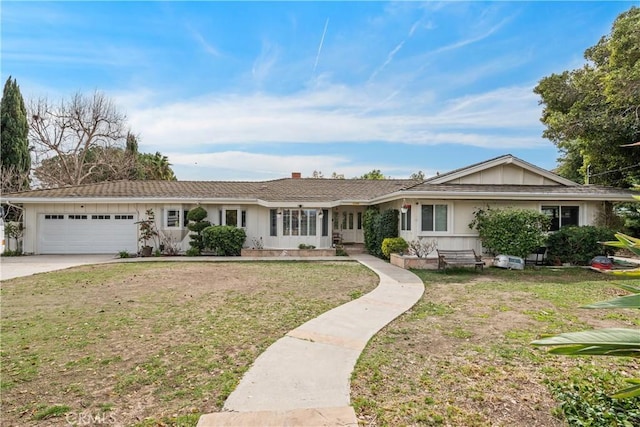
405	207
320	213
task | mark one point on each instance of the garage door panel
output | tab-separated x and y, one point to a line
87	234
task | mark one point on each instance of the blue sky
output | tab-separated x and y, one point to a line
256	90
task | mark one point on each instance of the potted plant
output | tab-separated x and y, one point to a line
147	232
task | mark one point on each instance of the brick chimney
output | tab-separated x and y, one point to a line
296	175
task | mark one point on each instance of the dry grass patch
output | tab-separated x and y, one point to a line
151	343
461	356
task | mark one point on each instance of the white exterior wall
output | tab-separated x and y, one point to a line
504	174
458	235
460	215
32	212
257	222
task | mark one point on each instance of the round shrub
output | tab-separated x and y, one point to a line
394	245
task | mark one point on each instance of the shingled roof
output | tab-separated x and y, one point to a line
534	191
281	190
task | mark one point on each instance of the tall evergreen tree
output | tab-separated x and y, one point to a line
14	137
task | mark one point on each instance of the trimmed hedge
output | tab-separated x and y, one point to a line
377	227
578	245
224	240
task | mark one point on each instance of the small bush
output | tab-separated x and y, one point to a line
341	252
12	252
224	240
578	245
193	252
394	245
304	246
124	254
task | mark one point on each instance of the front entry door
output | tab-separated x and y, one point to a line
347	221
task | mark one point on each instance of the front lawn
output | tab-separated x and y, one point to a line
155	344
151	344
461	356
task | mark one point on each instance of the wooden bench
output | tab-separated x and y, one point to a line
460	257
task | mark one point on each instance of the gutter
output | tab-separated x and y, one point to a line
440	195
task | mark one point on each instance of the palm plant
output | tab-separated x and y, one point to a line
603	342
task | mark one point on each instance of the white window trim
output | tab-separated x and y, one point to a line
165	217
582	210
238	210
318	223
418	219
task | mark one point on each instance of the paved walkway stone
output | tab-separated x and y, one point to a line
303	378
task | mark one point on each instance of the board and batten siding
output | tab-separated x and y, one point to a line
504	174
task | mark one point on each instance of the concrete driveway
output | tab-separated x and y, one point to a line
27	265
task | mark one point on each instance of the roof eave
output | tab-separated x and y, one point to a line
503	160
485	195
114	200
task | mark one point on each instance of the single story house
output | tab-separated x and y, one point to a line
283	213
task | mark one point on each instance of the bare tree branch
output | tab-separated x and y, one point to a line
78	141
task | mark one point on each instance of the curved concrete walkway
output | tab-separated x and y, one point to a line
303	379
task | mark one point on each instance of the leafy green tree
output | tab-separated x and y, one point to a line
517	232
155	167
591	111
131	156
319	175
417	176
14	139
374	174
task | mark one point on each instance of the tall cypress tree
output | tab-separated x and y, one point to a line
15	134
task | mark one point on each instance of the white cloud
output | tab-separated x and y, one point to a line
332	114
206	46
265	61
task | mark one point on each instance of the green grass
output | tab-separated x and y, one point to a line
160	342
461	355
47	412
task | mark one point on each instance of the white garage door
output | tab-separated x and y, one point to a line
87	233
